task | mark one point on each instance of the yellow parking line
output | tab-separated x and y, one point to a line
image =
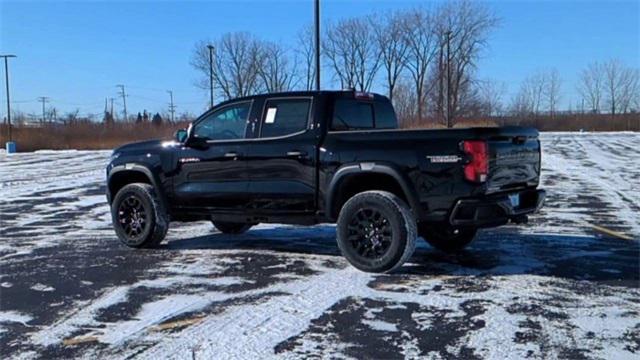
610	232
175	324
79	340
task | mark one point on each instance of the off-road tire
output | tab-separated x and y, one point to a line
444	238
231	227
156	218
397	229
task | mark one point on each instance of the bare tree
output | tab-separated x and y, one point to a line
236	64
352	52
630	90
277	72
404	103
615	76
388	30
422	45
306	51
528	99
591	86
552	85
491	93
463	29
535	86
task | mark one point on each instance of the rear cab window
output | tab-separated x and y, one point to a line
282	117
357	114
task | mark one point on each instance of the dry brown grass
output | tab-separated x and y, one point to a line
84	135
561	122
88	135
432	124
577	122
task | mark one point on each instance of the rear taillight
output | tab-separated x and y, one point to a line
478	167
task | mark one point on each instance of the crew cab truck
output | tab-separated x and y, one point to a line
327	157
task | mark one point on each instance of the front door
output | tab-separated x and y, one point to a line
215	176
282	158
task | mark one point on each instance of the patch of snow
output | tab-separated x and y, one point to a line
380	325
42	287
14	317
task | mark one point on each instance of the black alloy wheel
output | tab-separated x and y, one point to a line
370	233
139	217
376	231
132	217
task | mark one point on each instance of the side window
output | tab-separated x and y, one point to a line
284	116
227	123
385	116
352	115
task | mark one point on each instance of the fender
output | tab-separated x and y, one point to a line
346	171
139	168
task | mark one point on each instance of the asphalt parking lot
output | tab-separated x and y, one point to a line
553	288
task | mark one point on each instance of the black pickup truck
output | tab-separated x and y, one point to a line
327	157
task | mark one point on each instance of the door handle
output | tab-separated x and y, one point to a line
232	154
296	153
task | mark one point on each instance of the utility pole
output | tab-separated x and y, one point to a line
172	108
6	77
448	35
111	111
211	49
440	102
124	100
317	38
43	100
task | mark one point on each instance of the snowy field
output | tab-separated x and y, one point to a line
551	289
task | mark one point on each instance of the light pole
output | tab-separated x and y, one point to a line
317	38
211	48
448	37
6	77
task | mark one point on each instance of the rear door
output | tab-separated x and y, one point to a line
281	160
216	177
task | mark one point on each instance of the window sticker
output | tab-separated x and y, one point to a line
271	116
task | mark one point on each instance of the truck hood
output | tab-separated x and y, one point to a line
151	146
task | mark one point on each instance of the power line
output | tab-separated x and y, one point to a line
124	100
43	100
172	107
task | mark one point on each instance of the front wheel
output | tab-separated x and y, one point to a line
139	217
231	227
376	231
446	238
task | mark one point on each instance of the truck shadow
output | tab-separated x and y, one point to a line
500	252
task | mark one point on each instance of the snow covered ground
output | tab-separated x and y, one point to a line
553	288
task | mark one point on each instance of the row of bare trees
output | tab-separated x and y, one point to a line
604	87
425	59
430	53
610	86
539	93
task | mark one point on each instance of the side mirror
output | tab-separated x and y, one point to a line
181	135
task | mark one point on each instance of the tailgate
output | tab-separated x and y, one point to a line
514	159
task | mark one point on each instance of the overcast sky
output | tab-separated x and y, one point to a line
76	52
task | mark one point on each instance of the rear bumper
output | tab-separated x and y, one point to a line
497	209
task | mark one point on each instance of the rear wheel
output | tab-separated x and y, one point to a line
138	216
376	231
231	227
446	238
